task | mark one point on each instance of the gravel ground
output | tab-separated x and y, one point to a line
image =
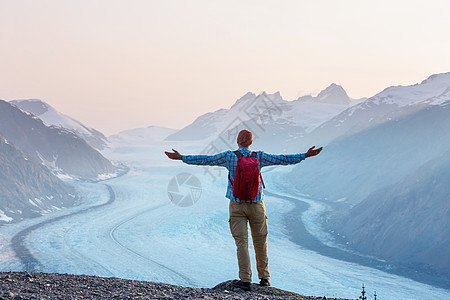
24	285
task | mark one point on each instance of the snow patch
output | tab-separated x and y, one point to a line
64	176
33	203
4	217
429	89
106	176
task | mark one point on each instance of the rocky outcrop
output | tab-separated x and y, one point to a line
26	285
258	292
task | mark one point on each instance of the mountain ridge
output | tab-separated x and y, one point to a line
51	117
393	99
267	115
59	149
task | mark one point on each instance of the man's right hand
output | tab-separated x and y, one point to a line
174	155
313	152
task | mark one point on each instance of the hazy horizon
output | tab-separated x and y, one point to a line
117	65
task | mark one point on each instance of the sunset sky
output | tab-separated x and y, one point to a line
117	65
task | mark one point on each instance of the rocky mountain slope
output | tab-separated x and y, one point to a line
59	149
51	117
27	188
407	222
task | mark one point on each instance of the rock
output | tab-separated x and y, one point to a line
256	288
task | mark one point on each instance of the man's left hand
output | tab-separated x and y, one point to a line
174	155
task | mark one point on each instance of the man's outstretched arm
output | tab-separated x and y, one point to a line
205	160
287	159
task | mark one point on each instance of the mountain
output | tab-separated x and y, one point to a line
59	149
211	124
408	221
384	106
139	136
272	119
352	167
385	174
51	117
27	188
334	94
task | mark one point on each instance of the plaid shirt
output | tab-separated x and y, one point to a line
229	160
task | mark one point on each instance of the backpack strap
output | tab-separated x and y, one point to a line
255	154
238	153
262	181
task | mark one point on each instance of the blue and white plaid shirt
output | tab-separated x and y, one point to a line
229	160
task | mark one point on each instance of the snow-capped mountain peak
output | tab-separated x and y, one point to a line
51	117
441	77
391	103
251	98
35	106
247	96
432	87
334	94
267	115
439	100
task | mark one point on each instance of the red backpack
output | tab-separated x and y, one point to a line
246	179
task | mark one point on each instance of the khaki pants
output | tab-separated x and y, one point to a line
255	214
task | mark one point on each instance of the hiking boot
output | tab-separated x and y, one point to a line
246	286
264	282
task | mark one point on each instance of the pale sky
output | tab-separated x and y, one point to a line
117	65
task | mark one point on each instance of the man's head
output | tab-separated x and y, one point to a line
244	139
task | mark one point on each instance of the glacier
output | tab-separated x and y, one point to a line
143	235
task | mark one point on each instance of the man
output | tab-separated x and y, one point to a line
241	212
